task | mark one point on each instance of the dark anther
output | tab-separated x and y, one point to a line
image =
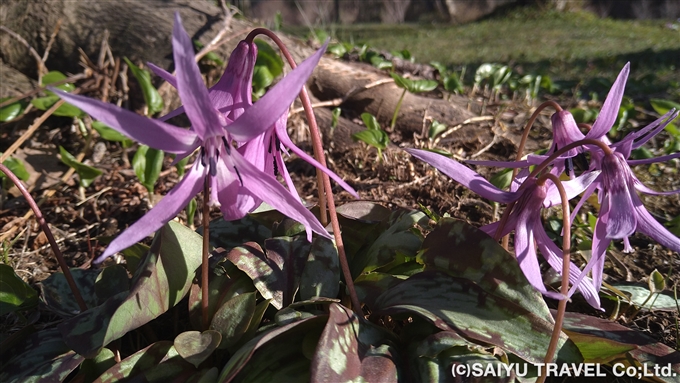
278	143
213	167
269	150
202	155
239	176
276	168
227	147
569	167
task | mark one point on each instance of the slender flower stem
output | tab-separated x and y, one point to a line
520	152
48	233
204	263
588	141
566	261
317	146
325	184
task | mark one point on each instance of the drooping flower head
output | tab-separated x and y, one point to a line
228	174
525	220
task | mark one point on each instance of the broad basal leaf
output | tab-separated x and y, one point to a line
161	281
15	294
460	305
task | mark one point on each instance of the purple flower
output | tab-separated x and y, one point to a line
232	96
229	175
525	219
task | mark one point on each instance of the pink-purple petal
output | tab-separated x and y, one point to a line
165	210
153	133
264	113
162	73
463	175
287	142
271	191
572	188
192	91
610	108
649	226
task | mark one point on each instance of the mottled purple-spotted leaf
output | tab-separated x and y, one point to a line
196	346
321	274
40	357
161	281
91	369
111	281
276	272
263	354
291	254
58	296
398	237
288	315
230	234
647	351
467	252
314	301
265	272
351	349
254	324
233	318
208	375
225	282
138	363
362	222
460	305
370	286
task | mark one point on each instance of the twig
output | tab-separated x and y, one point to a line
50	237
52	38
95	195
38	59
38	122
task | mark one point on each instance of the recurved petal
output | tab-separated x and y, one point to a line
264	113
272	192
153	133
163	212
526	256
553	255
162	73
287	142
649	226
610	108
205	119
572	188
463	175
653	160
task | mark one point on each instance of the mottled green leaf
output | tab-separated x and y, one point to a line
639	295
153	99
352	349
233	318
460	305
597	349
58	295
161	281
321	275
42	357
647	351
264	355
148	163
86	173
195	346
467	252
111	281
15	294
225	282
138	362
91	369
398	237
230	234
370	286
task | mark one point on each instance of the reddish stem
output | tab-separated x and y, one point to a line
325	184
48	233
566	261
520	151
204	263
